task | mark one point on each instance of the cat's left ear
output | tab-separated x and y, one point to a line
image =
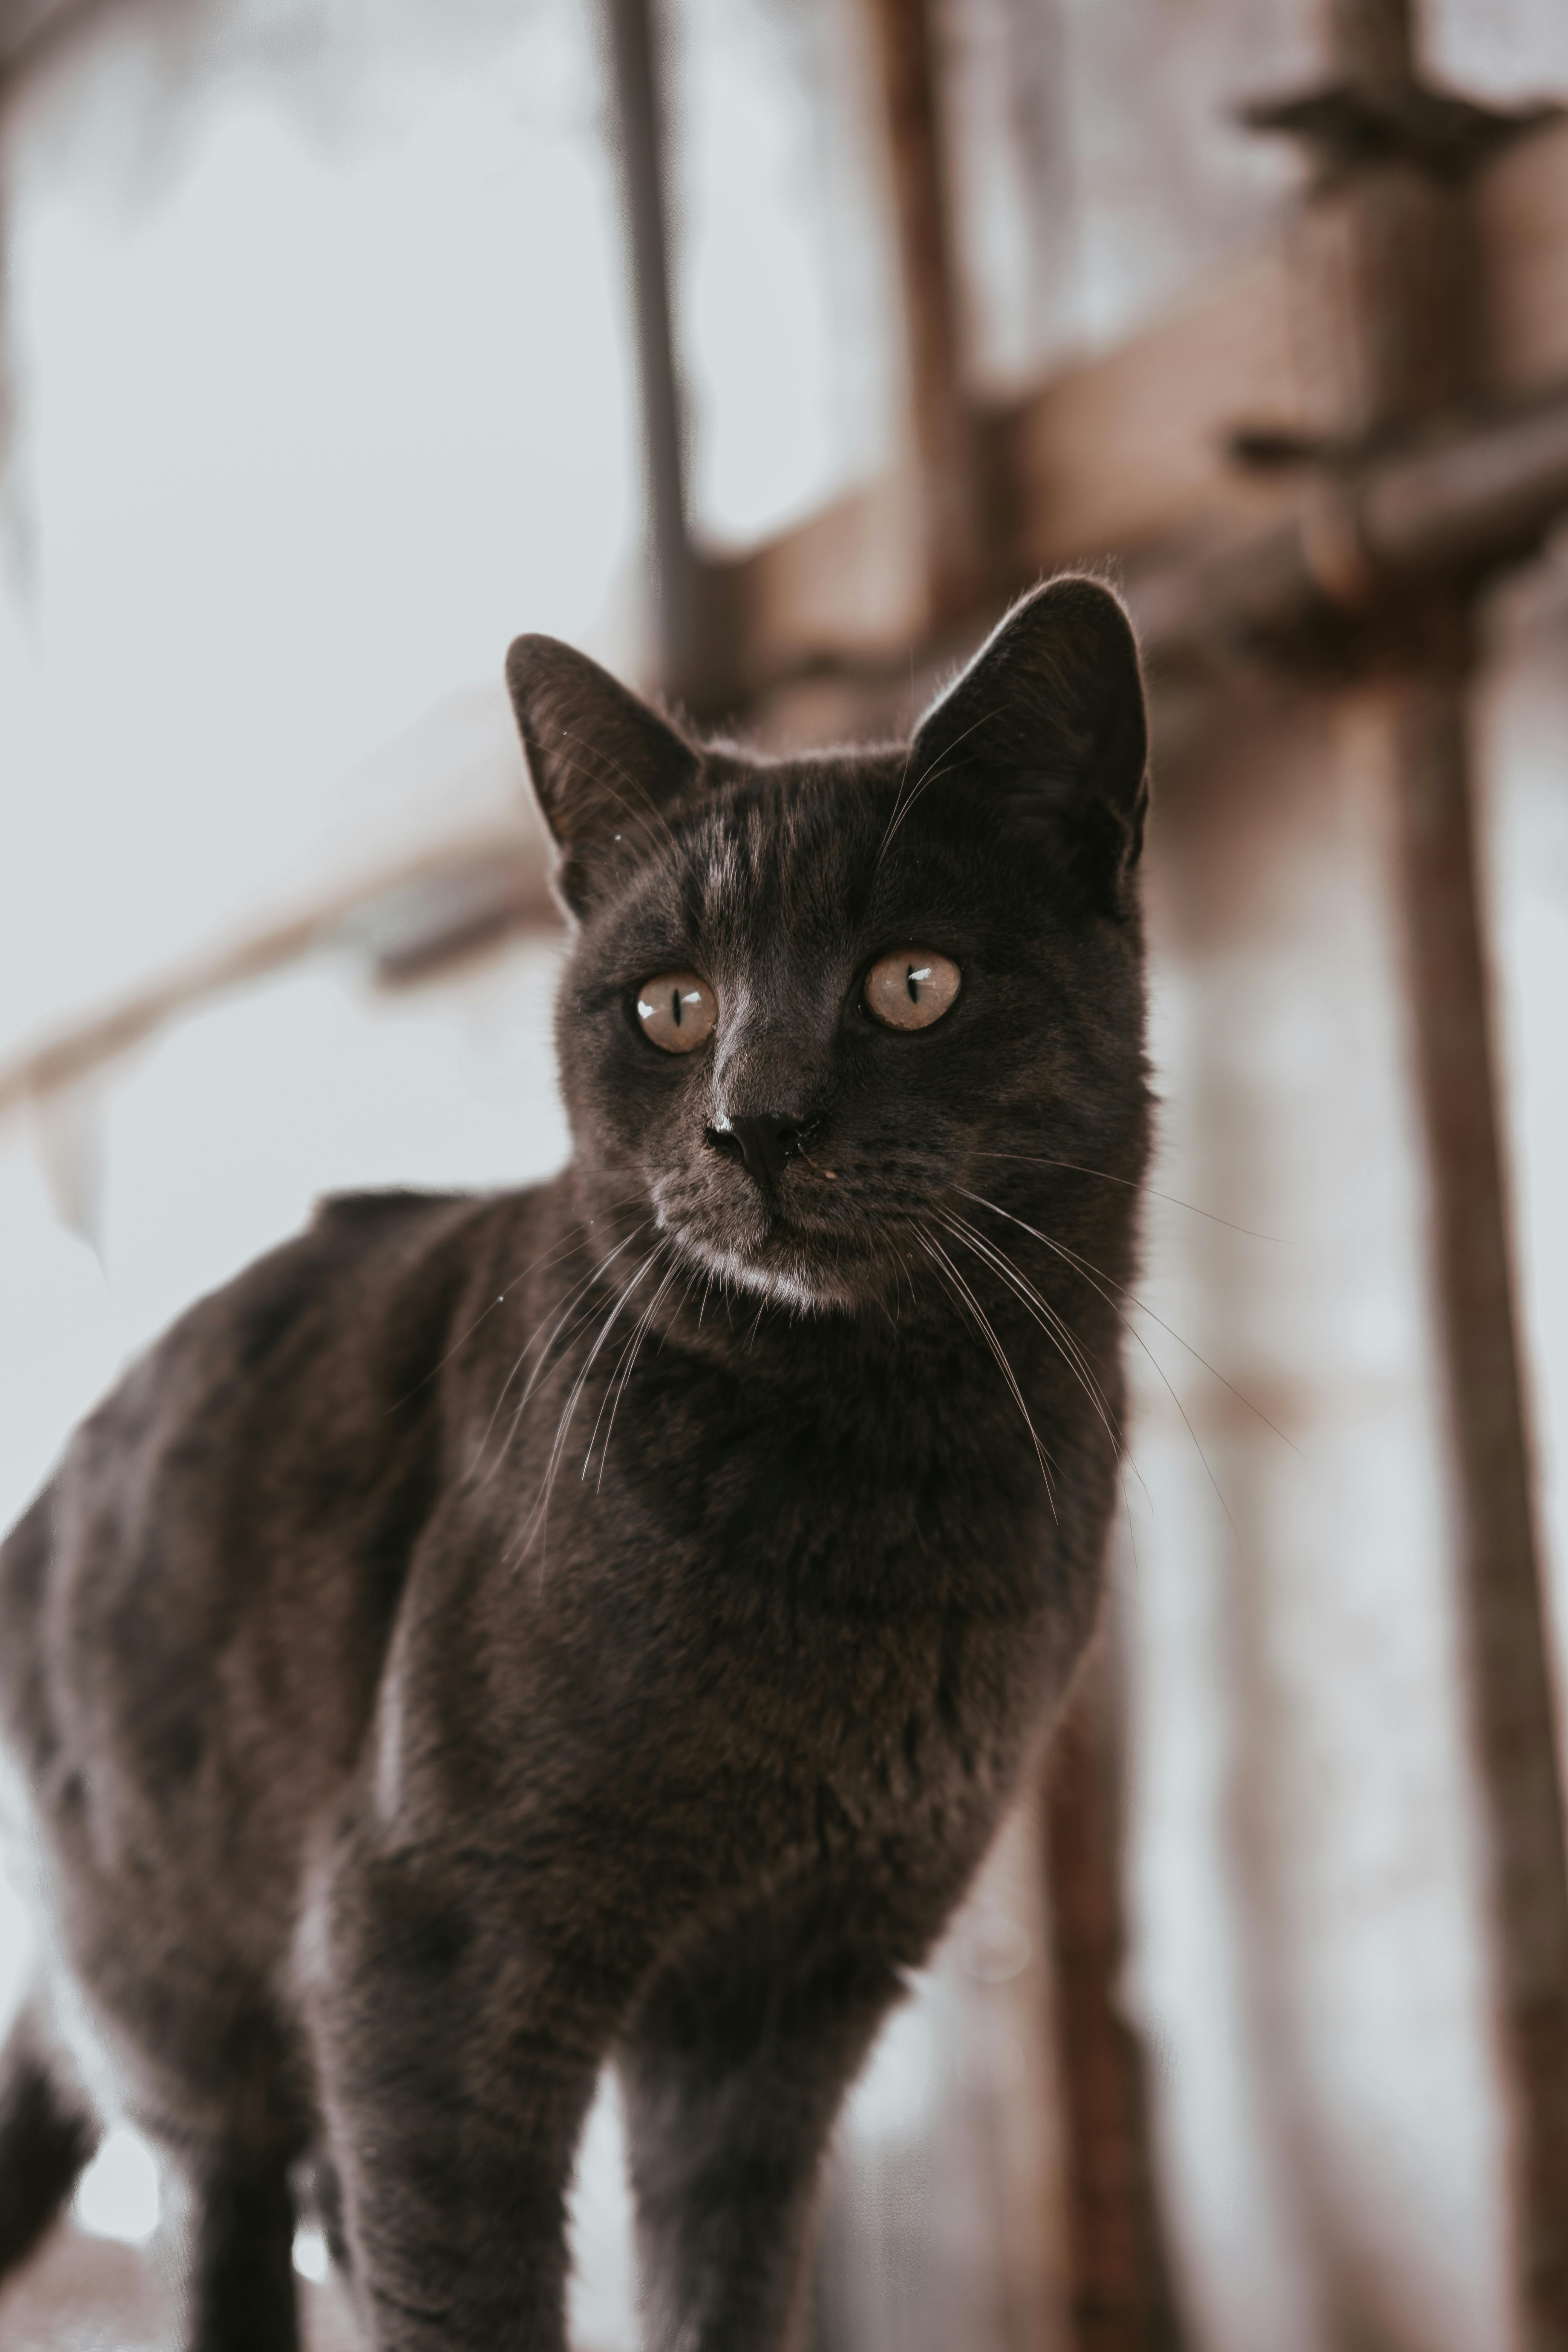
1050	714
603	764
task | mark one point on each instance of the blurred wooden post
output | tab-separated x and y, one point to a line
1390	285
1120	2300
1507	1634
1117	2278
910	84
685	659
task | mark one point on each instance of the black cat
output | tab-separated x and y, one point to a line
493	1636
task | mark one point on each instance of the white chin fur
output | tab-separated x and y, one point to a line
816	1293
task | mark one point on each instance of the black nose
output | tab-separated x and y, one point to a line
765	1142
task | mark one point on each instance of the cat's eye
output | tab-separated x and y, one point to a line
677	1011
910	988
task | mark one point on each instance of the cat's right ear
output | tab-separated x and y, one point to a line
1048	718
603	765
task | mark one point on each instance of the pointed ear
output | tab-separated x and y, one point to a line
603	764
1049	715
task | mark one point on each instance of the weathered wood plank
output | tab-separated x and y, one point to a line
1128	454
847	586
940	427
1521	206
1132	448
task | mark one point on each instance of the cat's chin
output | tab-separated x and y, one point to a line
780	1271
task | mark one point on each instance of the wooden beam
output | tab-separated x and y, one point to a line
1125	454
1521	225
903	44
684	652
1118	2282
31	30
1131	455
1502	1601
1402	287
1132	451
1363	544
1372	41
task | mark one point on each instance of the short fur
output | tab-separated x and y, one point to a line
497	1635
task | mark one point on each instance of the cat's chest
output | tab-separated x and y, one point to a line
793	1597
800	1522
777	1624
843	1565
816	1473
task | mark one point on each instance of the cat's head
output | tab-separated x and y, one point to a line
811	1002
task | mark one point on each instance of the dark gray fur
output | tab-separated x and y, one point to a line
376	1786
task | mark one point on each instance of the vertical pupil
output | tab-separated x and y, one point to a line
674	1006
912	982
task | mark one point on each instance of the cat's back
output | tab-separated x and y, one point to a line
193	1613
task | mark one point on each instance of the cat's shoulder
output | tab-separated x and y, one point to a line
419	1237
357	1252
376	1212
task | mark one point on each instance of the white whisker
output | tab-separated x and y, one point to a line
945	1265
1070	1257
540	1510
929	775
573	1295
1041	1311
1089	1271
623	1370
1133	1184
1056	1328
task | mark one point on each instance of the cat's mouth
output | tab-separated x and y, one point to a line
766	1245
829	1232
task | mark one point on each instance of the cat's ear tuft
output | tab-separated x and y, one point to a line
603	766
1050	715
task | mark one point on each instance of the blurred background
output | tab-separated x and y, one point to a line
764	348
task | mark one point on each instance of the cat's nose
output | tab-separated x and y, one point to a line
766	1142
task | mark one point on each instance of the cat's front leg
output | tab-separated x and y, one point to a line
733	2073
240	2288
458	2050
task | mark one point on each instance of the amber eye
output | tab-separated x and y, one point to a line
910	988
678	1010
